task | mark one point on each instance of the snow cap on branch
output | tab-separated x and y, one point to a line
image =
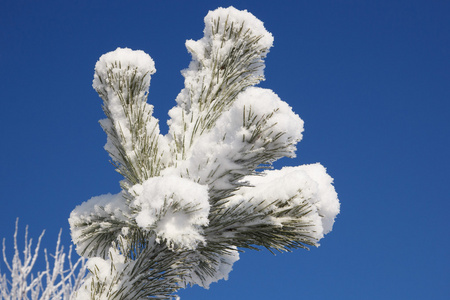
234	16
228	59
276	117
326	198
294	186
174	207
258	124
125	61
103	207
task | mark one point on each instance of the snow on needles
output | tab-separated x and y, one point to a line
175	208
221	270
251	127
106	206
229	58
294	186
232	15
124	59
122	79
195	194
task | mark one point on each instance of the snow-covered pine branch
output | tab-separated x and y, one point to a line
228	59
191	199
56	282
122	79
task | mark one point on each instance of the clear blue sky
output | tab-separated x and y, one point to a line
370	79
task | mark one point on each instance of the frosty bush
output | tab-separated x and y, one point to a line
192	198
56	282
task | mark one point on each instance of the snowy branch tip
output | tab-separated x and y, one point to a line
123	61
221	17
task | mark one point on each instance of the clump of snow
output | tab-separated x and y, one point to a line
257	102
218	24
100	267
327	202
175	208
245	131
123	61
237	17
293	186
104	205
108	206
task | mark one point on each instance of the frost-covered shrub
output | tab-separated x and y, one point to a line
191	198
58	281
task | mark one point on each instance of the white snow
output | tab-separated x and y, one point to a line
107	206
237	17
262	102
327	202
214	49
293	185
256	128
115	72
215	152
123	60
175	208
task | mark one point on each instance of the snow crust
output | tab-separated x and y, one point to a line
174	207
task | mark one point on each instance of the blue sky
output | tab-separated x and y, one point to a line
369	78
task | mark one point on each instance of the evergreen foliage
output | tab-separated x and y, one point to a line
190	199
